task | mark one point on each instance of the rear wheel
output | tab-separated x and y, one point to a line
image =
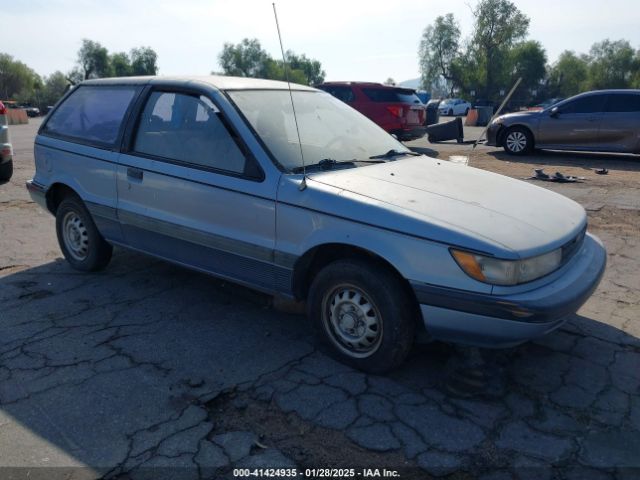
466	112
450	112
362	314
81	243
6	171
518	141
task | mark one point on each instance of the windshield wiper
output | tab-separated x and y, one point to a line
329	163
395	153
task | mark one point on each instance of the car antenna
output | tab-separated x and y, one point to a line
303	184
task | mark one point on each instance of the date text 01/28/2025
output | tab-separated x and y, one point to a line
314	473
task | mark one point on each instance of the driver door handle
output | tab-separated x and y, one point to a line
135	173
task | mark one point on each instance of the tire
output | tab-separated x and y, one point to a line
430	138
362	292
6	171
466	112
81	243
450	113
517	141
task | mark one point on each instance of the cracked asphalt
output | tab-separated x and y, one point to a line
147	370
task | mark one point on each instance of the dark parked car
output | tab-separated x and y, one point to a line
398	110
599	121
31	110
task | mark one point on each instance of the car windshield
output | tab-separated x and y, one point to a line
329	128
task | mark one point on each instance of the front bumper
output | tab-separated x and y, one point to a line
507	320
493	134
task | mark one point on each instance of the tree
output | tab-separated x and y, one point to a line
120	64
390	81
16	78
246	59
93	60
55	85
498	25
144	61
529	61
612	65
312	69
568	75
439	49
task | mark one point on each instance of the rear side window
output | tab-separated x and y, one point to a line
343	93
391	95
92	114
623	102
188	129
589	104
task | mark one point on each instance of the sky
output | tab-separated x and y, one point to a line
355	40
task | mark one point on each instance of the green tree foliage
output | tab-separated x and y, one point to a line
144	61
93	60
568	75
245	59
248	59
439	51
55	85
498	26
612	64
16	79
489	61
120	64
312	69
529	61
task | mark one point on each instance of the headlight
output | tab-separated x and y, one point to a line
507	272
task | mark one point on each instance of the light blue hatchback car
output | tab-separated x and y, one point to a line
219	175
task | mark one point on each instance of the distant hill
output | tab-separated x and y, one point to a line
413	83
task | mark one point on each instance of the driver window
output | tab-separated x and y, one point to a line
589	104
187	128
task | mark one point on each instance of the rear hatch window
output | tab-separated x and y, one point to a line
392	95
92	114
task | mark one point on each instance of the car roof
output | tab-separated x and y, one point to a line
220	82
366	84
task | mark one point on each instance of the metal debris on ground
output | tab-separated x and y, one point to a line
601	171
539	174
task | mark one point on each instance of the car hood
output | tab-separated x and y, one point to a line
525	114
455	204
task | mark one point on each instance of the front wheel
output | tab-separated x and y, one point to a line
450	113
362	314
80	241
518	141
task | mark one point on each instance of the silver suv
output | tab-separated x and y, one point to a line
218	174
6	150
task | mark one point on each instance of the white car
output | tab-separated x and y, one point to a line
454	106
6	151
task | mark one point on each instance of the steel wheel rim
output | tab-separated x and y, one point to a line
352	320
75	236
516	141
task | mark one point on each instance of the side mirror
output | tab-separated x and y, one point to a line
554	112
